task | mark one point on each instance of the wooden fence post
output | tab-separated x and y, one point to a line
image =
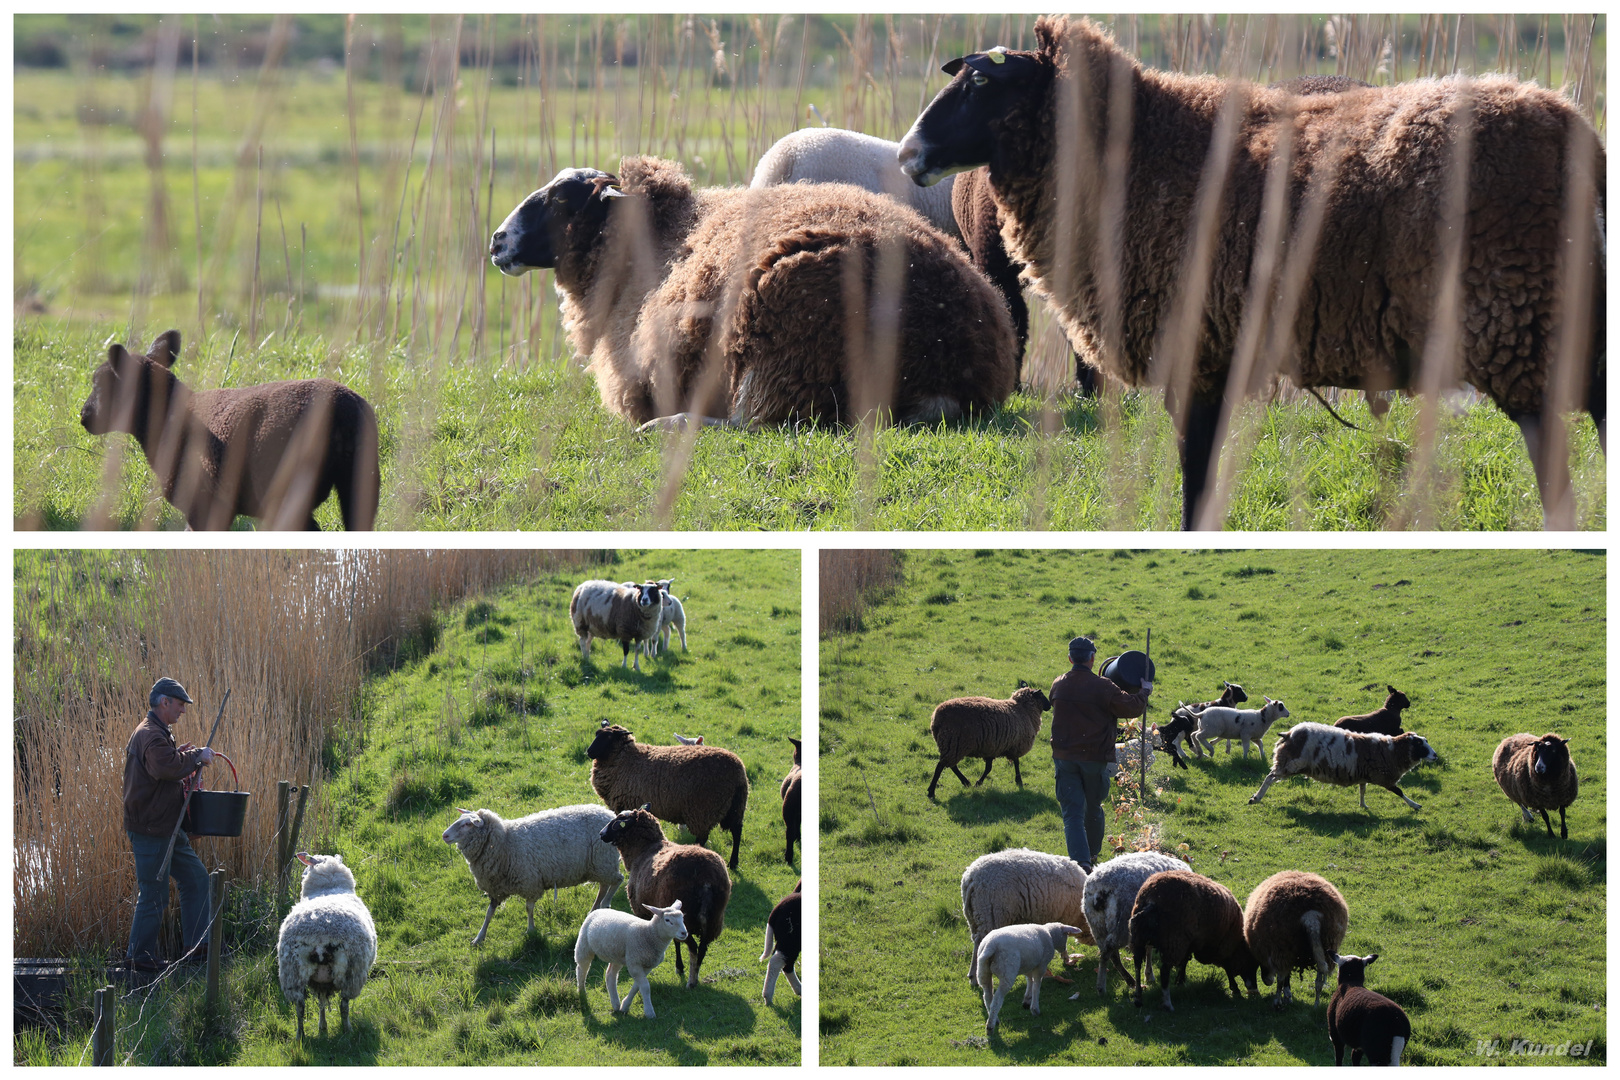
287	836
101	1039
216	934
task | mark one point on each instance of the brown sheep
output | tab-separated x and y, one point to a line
696	786
1385	720
1186	916
1355	305
273	451
791	801
1294	920
659	872
1537	774
986	728
645	264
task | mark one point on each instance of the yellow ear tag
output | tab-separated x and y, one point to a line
997	55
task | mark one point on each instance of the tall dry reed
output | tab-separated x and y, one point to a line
853	580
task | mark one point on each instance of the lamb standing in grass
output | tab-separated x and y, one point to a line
673	617
1020	886
1109	895
1021	949
986	728
784	933
1294	920
1365	1021
1537	774
327	941
624	941
1248	725
529	855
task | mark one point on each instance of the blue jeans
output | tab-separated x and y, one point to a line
191	879
1081	788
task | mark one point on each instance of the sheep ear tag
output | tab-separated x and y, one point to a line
997	55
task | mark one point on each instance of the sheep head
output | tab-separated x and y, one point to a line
132	393
1549	756
562	218
1396	700
609	739
628	825
960	128
1353	969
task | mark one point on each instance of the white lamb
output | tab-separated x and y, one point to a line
673	618
624	941
1021	949
1111	890
327	942
525	857
1224	722
838	156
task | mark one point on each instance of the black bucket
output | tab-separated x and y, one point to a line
39	992
216	813
1128	670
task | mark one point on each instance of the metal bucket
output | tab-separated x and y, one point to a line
216	813
1128	670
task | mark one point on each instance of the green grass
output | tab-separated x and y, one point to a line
1485	927
498	714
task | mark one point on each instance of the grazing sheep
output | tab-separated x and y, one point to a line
624	613
1365	1021
1294	920
1220	722
1186	916
1385	720
1537	774
662	873
1334	756
1021	949
624	941
986	728
696	786
1020	886
327	941
1355	291
274	451
824	155
761	307
529	855
784	930
1109	895
791	784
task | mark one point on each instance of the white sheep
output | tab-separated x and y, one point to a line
673	618
527	856
1020	886
327	941
688	740
1021	949
1110	892
624	941
838	156
1222	722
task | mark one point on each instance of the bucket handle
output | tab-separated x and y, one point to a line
194	781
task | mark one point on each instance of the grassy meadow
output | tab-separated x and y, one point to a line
1485	928
489	705
316	197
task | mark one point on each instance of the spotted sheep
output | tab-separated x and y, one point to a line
1247	725
625	613
1334	756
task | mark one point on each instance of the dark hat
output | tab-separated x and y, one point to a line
167	687
1080	648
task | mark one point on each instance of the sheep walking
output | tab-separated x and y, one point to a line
1294	920
327	942
1332	755
696	786
661	873
1354	300
1020	886
784	933
1385	720
804	302
827	155
1021	949
1109	896
627	613
630	944
1246	725
986	728
1367	1022
792	797
1185	916
529	855
1537	774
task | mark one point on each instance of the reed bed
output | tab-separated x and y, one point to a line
851	581
291	635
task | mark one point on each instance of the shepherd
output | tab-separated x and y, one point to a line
153	770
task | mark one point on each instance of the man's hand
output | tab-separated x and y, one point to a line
1147	687
207	756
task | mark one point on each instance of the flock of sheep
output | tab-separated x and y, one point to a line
1021	905
678	892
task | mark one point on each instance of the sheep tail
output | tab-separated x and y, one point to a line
1331	413
739	805
1312	921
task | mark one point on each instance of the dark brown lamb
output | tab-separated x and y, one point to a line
696	786
1385	720
1537	774
1294	921
659	872
1186	916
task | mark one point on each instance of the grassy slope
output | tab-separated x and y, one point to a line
1486	928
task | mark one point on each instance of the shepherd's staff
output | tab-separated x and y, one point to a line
163	874
1147	651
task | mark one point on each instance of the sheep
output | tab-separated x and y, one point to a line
1186	916
1365	1021
1350	301
1020	949
838	156
526	856
1334	756
791	784
786	281
1294	919
662	872
688	740
696	786
624	613
274	451
327	942
783	931
672	618
1385	720
1184	720
624	941
1109	895
1537	774
1220	722
986	728
1020	886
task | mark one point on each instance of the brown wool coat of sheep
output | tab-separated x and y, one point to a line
1292	921
660	872
699	787
988	728
1185	916
792	801
1514	767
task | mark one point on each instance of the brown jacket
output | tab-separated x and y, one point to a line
153	769
1086	710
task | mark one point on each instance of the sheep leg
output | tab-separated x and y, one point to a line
1548	822
1102	973
793	981
611	980
1195	438
1018	774
1355	1055
1032	992
988	762
993	1003
1396	789
584	648
690	944
531	916
934	783
343	1008
321	1000
736	842
582	965
1563	825
1396	1045
1529	818
488	915
1552	476
300	1019
1166	966
604	894
771	972
645	990
973	963
1245	748
697	961
1364	797
1271	778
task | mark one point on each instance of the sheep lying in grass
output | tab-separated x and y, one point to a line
696	786
1334	756
988	728
1385	720
327	941
827	155
1021	949
662	872
1109	895
1294	920
1247	725
1537	774
1365	1021
624	941
1020	886
1185	916
784	933
529	855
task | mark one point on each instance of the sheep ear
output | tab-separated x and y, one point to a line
676	906
647	806
951	67
604	725
1370	959
116	355
303	857
165	347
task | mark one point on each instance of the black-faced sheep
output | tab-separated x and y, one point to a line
824	155
628	614
1247	725
1537	774
1185	916
327	942
1294	920
986	728
1020	886
1334	756
1110	894
784	936
1385	720
274	451
696	786
803	302
661	872
1365	1021
1355	297
791	800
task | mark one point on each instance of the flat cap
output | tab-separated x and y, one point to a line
1082	647
167	687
